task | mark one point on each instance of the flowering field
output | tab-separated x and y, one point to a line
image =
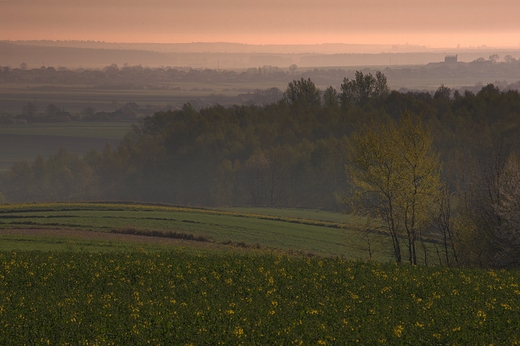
194	299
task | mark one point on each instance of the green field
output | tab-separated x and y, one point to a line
316	232
69	274
173	297
295	213
13	97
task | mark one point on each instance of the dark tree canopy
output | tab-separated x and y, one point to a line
290	153
364	88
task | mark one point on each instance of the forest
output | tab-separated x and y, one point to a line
294	153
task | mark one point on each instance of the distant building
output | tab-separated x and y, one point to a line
451	59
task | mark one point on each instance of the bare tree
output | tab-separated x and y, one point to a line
478	219
507	208
445	227
488	188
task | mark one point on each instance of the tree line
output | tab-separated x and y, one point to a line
293	153
138	77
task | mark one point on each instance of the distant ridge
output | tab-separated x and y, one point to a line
230	47
92	54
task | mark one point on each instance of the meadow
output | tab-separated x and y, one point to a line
125	273
175	297
271	229
75	98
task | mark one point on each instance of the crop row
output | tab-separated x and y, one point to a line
185	298
56	206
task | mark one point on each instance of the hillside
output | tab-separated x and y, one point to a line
266	229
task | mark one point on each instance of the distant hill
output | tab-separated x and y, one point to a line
91	54
228	47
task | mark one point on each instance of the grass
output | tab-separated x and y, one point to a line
317	232
296	213
95	242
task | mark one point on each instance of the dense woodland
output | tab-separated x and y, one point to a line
293	153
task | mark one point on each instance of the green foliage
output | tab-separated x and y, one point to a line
302	92
364	88
471	242
179	298
49	179
199	157
291	153
395	175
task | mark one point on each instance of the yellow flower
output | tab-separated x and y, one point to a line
398	331
239	331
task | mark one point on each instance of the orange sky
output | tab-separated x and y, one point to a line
433	23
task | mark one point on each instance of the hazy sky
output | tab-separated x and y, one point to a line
434	23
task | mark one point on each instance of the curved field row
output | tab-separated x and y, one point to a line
320	233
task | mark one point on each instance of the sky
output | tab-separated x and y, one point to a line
431	23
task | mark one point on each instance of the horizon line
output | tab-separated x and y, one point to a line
483	46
